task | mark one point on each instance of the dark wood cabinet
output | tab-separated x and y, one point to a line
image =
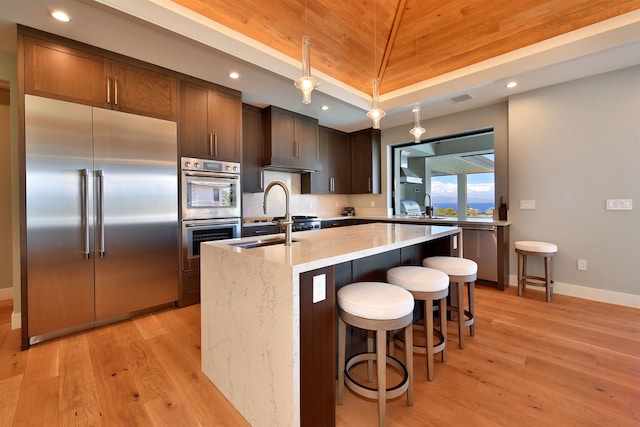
260	230
252	150
335	156
365	162
54	70
210	122
317	349
291	141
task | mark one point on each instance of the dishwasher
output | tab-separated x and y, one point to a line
480	244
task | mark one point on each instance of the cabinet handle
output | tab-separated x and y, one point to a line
261	176
369	184
332	185
297	150
115	91
215	145
108	90
211	144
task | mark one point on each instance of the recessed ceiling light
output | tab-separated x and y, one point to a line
60	16
512	84
234	75
324	107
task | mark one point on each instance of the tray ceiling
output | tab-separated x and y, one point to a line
447	35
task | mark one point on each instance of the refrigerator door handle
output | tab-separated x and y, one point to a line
85	211
100	175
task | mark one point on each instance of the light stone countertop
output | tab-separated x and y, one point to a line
250	310
321	248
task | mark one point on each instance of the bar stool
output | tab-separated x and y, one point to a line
380	307
545	250
461	271
427	285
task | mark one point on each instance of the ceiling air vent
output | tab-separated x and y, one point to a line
461	98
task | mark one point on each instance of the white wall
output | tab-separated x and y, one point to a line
571	147
9	231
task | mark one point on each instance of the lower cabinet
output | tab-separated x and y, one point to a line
189	288
260	230
317	349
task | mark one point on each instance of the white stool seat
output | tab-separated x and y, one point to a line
531	246
453	266
418	279
375	300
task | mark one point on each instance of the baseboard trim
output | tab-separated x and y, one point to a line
601	295
16	320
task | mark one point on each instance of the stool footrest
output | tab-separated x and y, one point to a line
370	392
438	345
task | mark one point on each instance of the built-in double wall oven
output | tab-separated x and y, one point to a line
210	210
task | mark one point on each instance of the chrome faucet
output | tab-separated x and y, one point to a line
428	209
287	216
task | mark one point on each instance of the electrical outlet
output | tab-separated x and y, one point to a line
582	264
373	204
319	288
527	204
619	204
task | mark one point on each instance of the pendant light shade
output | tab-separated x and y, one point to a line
417	130
306	83
375	114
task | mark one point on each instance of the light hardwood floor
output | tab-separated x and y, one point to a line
568	362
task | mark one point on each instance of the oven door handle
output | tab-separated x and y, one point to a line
213	175
209	223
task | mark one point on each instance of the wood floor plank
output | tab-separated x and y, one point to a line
531	363
119	394
79	400
9	393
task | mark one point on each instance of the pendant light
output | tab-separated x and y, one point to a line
306	83
376	113
417	130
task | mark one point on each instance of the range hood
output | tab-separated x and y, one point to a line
407	176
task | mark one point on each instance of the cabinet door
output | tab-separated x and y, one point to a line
225	125
283	142
252	153
194	121
340	155
59	72
335	156
306	138
365	162
139	91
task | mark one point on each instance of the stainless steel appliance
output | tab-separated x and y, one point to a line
300	223
211	208
199	231
210	189
411	207
101	215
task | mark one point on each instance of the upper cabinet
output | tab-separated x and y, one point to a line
58	71
210	122
252	143
365	161
335	156
291	141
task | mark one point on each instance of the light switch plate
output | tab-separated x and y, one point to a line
527	204
619	204
319	288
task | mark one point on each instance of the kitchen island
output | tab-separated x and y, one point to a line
268	313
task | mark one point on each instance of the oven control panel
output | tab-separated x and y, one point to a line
204	165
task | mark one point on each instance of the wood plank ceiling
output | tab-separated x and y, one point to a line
447	35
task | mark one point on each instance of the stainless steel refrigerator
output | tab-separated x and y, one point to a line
101	215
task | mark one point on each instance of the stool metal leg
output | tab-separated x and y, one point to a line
381	361
428	332
408	358
472	287
461	314
342	338
443	326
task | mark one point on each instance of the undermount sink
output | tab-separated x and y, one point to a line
260	243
